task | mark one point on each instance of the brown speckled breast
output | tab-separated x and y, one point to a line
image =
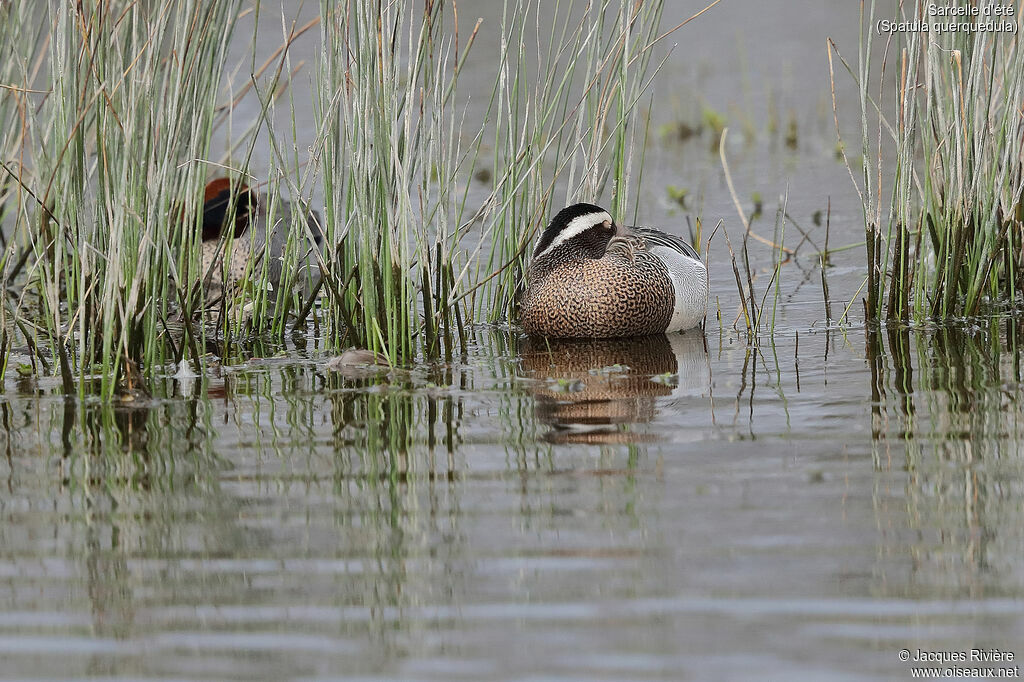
240	253
625	293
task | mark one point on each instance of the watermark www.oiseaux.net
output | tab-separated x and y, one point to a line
961	664
993	17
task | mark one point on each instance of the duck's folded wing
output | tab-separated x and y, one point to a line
626	246
655	237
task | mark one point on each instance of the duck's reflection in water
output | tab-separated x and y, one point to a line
591	390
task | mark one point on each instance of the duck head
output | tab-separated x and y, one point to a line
220	201
577	231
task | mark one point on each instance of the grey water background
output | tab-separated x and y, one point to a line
672	508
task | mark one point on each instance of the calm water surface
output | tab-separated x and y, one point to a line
616	510
691	507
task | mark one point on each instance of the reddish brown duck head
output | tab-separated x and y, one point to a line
238	239
220	200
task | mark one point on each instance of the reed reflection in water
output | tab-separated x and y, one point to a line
946	409
579	501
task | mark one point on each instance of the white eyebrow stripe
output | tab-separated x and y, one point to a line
576	226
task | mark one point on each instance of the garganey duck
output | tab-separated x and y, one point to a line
592	278
250	239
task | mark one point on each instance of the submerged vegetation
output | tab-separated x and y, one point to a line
942	173
116	111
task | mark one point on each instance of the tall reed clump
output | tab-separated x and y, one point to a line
119	125
23	45
398	160
115	138
943	171
565	110
391	151
283	283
